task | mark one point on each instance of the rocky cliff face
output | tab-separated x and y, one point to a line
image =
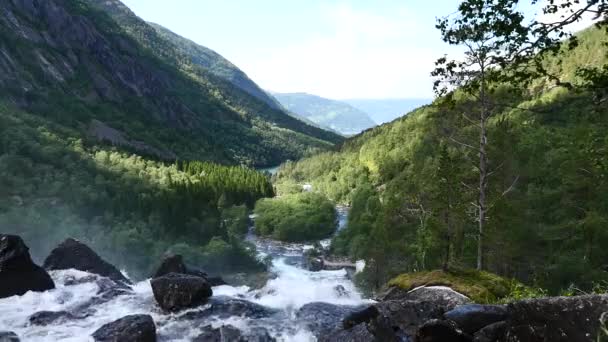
78	61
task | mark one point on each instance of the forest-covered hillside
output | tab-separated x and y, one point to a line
413	183
111	134
70	61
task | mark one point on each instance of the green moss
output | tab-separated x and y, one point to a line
481	287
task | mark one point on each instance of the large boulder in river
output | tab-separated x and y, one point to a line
557	319
472	317
73	254
133	328
175	291
43	318
223	307
18	273
8	336
175	264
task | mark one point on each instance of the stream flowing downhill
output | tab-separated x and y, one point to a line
291	288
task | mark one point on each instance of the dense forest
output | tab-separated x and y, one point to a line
413	184
132	209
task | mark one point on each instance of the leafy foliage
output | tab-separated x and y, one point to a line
410	185
297	217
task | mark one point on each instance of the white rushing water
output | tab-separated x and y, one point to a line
290	289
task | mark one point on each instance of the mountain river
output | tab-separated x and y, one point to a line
291	288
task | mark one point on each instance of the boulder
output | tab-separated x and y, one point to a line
360	316
133	328
175	264
437	330
324	318
407	315
18	273
176	291
472	317
340	291
223	307
43	318
8	336
358	333
228	333
491	333
557	319
444	296
314	264
73	254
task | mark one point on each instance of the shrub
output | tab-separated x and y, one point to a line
296	217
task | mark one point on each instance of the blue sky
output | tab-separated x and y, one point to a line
333	48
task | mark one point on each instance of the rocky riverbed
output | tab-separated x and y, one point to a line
77	296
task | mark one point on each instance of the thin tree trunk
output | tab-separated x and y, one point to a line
483	172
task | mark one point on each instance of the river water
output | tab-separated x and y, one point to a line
291	288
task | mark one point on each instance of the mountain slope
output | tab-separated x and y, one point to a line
331	114
67	60
412	188
386	110
216	64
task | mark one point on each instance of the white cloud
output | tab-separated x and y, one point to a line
365	55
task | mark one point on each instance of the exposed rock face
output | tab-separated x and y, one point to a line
228	333
176	291
556	319
472	317
8	336
74	254
134	328
18	273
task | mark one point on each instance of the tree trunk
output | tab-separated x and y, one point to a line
483	172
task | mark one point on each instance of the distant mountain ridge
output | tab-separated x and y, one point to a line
386	110
331	114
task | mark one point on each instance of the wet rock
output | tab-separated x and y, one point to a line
472	317
441	331
175	264
133	328
18	273
341	291
175	291
358	333
228	333
324	318
442	295
557	319
8	336
491	333
361	316
392	293
171	264
407	315
314	264
224	307
107	291
44	318
73	254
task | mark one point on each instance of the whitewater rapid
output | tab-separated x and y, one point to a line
291	288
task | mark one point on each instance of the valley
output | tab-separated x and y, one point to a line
151	190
